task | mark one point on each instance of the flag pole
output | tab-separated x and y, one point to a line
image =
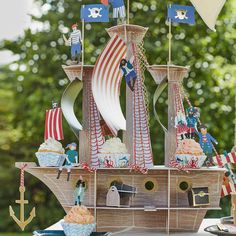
128	12
170	41
82	63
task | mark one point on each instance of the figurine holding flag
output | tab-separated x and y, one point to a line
75	43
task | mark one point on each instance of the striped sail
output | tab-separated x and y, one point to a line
106	81
53	124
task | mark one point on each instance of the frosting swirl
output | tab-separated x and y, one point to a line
114	146
51	145
189	146
79	215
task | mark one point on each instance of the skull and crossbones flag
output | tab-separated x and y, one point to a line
181	14
95	13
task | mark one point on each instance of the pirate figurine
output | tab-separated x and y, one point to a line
181	124
192	120
206	142
79	191
71	160
128	72
74	42
118	10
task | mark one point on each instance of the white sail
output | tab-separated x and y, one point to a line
106	84
209	10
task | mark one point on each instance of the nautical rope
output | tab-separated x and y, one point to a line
22	175
178	104
143	64
95	131
142	152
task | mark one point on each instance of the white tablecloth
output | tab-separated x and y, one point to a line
205	223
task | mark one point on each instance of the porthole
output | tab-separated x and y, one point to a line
112	181
150	185
184	185
86	183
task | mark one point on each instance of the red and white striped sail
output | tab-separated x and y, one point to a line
53	124
106	81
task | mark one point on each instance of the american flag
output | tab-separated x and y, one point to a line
106	81
53	124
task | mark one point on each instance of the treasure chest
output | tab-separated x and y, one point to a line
198	196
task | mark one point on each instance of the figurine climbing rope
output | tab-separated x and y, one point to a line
129	73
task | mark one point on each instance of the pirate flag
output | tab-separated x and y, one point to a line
181	14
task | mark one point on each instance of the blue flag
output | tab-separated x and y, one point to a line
94	13
181	14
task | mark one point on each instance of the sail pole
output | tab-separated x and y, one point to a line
128	9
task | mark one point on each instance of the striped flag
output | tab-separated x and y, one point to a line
229	182
106	81
53	124
223	159
227	189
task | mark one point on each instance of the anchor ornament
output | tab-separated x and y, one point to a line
22	223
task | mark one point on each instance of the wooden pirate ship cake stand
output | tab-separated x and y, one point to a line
161	202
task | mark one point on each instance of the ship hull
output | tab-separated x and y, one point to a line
160	206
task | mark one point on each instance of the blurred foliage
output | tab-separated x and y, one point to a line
29	84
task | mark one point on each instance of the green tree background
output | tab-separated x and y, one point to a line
29	84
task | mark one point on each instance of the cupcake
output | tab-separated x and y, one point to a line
51	153
78	221
113	153
189	150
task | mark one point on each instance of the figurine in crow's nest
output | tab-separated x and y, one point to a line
181	124
206	142
79	191
71	160
193	115
75	42
129	73
118	9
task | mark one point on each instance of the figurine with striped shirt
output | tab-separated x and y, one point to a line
118	9
75	42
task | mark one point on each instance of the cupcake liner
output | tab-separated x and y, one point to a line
185	159
116	160
71	229
47	159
